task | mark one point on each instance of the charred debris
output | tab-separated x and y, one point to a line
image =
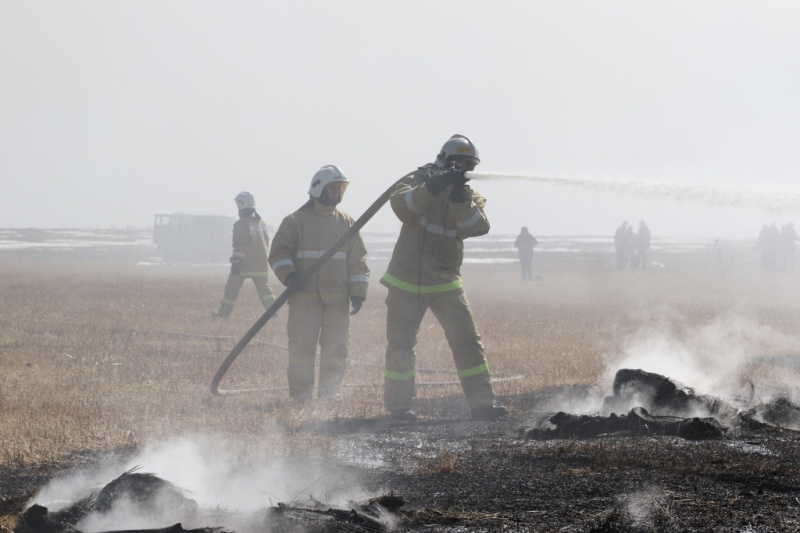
658	405
148	495
641	404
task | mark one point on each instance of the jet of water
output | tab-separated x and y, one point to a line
716	195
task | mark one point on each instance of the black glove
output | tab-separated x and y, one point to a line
236	269
292	281
452	175
357	302
439	180
442	178
461	192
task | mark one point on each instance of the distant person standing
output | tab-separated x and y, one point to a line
249	259
319	310
524	244
621	246
642	245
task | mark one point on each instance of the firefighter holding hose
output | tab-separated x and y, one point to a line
320	308
249	258
438	210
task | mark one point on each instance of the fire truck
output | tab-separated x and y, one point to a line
182	238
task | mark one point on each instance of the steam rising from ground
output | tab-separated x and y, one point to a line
712	358
642	507
211	472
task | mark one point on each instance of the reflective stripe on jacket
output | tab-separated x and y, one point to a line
428	255
303	237
250	246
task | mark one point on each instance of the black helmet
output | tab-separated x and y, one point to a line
458	147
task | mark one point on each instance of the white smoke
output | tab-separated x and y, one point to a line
210	470
642	508
710	358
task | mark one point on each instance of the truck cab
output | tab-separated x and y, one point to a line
182	238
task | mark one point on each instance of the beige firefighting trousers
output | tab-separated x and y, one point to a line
309	322
234	285
451	309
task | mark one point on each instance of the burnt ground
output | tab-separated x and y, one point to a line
457	475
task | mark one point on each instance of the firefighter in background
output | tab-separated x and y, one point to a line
249	259
320	308
438	211
524	244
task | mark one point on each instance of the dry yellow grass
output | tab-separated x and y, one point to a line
99	355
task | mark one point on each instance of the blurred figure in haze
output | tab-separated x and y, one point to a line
642	245
620	238
319	308
788	238
524	244
438	211
249	259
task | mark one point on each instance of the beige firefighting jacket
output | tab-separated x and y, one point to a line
303	237
250	246
428	255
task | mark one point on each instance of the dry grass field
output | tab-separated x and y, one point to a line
98	354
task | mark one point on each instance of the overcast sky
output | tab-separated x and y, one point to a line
113	111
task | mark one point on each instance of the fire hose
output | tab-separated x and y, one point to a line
284	297
304	276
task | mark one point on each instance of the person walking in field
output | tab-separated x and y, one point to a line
524	244
319	310
438	211
249	258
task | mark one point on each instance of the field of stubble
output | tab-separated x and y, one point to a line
98	354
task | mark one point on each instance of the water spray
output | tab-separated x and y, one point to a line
772	200
708	194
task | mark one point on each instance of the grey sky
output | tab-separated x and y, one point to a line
112	111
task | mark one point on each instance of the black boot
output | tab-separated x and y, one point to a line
489	414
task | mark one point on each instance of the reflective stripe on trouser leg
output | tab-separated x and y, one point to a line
232	288
453	313
303	327
333	348
403	316
264	291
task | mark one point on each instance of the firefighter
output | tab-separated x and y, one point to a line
438	211
319	310
249	259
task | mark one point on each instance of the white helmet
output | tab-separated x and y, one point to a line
245	200
458	147
325	175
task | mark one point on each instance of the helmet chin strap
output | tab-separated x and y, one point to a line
327	201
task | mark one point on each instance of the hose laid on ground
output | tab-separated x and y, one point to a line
499	379
280	300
